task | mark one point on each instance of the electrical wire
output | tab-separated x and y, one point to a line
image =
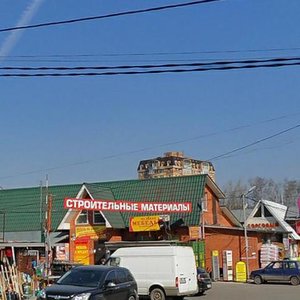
155	147
193	64
153	53
255	143
118	14
111	73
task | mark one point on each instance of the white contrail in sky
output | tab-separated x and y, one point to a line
14	36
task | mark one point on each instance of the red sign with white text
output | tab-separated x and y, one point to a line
127	206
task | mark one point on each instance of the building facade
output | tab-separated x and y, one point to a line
173	164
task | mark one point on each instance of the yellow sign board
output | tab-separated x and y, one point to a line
91	231
144	223
215	253
241	272
195	232
81	254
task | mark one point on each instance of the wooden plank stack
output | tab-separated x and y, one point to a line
11	282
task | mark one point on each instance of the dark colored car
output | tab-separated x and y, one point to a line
91	283
59	268
204	281
280	271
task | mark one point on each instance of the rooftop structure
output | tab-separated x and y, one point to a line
174	164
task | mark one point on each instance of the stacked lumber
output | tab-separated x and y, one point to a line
11	282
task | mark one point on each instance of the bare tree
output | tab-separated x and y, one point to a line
291	192
233	192
286	192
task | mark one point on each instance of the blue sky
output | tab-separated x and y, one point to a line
68	127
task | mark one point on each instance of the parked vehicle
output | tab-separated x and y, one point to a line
160	271
93	282
59	268
204	281
285	270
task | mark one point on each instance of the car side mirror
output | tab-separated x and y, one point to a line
110	284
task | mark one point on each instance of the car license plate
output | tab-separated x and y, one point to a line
182	280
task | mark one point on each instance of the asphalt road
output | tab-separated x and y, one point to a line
250	291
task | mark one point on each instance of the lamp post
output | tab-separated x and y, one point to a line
244	196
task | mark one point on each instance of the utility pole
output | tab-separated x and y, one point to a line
246	236
47	229
244	196
48	225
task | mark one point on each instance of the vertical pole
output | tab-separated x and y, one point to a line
246	236
46	232
41	206
4	221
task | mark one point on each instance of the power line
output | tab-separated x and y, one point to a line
255	143
154	53
118	14
111	73
193	64
249	66
163	145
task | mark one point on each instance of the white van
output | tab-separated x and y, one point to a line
160	271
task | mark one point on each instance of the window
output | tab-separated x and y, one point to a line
267	213
129	276
258	213
98	218
277	265
204	202
121	276
82	217
293	265
111	277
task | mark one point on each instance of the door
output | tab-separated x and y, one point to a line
124	286
274	271
111	290
290	268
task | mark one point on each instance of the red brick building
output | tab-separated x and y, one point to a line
207	221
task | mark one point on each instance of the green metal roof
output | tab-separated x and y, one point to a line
169	189
21	208
24	209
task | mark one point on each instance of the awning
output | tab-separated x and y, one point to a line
22	245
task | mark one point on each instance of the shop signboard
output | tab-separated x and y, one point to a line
240	272
127	206
286	243
144	223
215	265
96	231
227	265
195	232
81	253
263	225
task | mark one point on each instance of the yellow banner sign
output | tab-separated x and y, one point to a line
145	223
195	232
81	254
241	272
91	231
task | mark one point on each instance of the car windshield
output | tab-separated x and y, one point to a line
81	277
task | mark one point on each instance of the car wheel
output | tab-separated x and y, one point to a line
258	279
131	298
294	280
157	294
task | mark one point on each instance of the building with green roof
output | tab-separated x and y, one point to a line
23	210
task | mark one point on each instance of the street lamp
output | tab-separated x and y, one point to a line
244	196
